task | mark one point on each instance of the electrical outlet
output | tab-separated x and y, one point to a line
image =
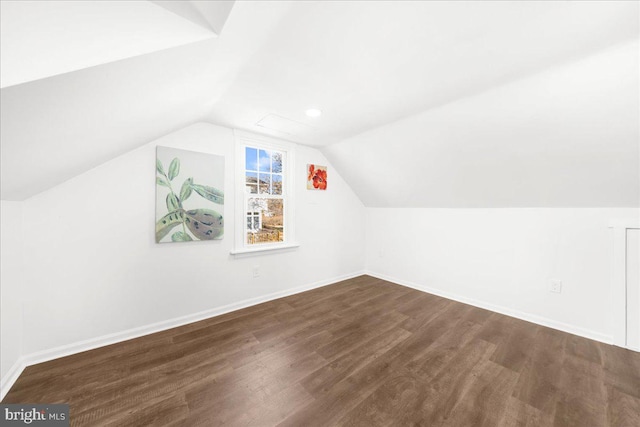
556	286
256	271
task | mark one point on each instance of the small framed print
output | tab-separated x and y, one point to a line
316	177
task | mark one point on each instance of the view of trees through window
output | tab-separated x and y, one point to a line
264	196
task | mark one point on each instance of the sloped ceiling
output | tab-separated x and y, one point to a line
367	65
566	137
55	128
46	38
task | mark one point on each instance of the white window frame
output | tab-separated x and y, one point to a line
243	140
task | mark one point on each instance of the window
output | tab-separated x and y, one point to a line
254	221
264	195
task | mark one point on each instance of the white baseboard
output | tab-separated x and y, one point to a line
43	356
607	339
90	344
10	378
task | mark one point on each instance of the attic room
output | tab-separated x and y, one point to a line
280	213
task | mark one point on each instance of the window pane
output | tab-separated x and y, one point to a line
277	184
276	162
265	161
251	177
256	205
265	184
251	182
269	226
251	159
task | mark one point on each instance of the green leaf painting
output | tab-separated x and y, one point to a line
180	217
209	193
174	169
186	189
205	224
159	167
168	223
180	236
172	202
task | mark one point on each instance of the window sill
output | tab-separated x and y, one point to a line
258	250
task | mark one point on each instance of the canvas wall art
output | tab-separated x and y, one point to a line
316	177
189	195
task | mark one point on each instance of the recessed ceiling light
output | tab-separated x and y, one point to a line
313	112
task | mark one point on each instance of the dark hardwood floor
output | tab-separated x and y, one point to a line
363	352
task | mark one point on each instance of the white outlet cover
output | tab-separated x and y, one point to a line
556	286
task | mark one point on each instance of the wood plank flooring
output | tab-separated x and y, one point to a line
363	352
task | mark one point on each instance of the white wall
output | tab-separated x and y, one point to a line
11	268
503	259
94	268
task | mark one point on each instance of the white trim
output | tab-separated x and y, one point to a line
565	327
264	248
624	223
93	343
12	375
619	279
619	286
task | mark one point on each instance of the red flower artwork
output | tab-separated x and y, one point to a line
317	177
